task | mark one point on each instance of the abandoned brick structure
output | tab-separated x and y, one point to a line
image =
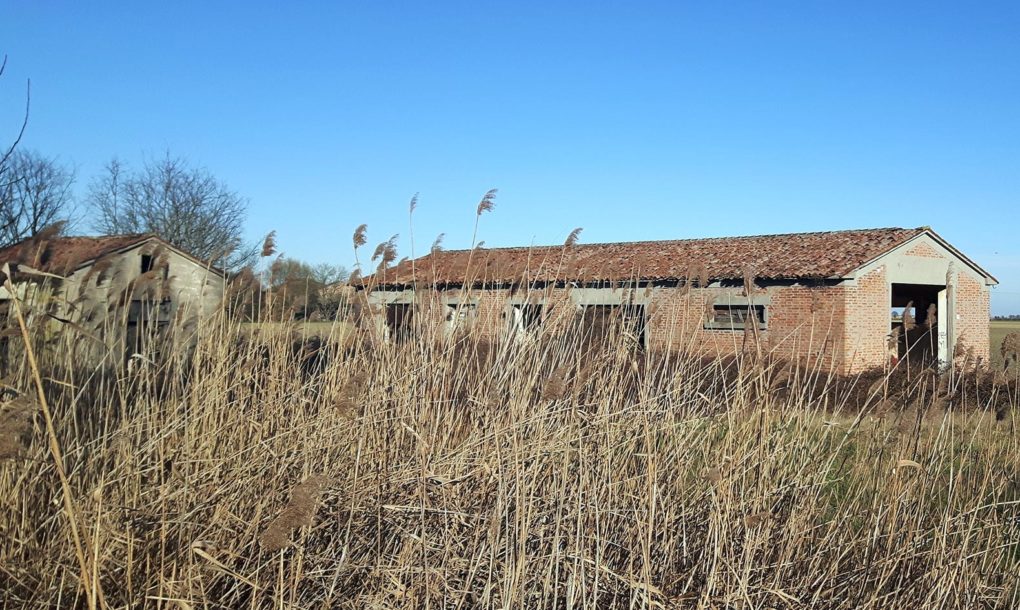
847	301
119	287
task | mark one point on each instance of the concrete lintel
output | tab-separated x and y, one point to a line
902	268
391	297
610	296
728	298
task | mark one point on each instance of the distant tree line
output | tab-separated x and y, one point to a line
1012	317
183	203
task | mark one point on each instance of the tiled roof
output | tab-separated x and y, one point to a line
62	255
791	256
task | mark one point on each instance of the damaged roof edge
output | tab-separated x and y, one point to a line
990	279
150	237
74	252
829	255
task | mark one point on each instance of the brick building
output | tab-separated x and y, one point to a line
117	286
848	301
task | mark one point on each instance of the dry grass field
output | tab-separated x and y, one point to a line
999	330
263	470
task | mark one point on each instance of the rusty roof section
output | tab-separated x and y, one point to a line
791	256
63	255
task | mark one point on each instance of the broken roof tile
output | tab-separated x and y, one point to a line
789	256
63	255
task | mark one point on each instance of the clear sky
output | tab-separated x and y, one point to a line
634	120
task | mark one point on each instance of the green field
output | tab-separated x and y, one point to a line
999	329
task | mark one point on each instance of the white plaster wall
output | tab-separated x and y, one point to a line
193	289
904	268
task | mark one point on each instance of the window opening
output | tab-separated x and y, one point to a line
598	320
737	317
149	263
526	318
460	315
399	317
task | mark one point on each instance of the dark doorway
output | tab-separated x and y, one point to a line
600	324
147	331
914	322
399	318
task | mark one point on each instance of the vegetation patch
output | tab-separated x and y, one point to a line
247	466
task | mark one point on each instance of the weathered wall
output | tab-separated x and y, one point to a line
194	291
925	261
841	325
803	322
868	322
809	325
972	322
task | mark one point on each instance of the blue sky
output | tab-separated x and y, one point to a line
633	120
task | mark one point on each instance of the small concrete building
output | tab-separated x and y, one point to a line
845	301
120	284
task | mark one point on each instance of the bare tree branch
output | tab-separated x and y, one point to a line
24	122
36	195
184	205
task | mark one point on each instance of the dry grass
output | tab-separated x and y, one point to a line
250	470
1000	330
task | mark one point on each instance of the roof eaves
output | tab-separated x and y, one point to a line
945	244
143	237
849	273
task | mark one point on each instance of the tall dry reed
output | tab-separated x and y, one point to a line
242	466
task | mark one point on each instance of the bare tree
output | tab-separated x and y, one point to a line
328	273
303	289
285	270
185	205
7	153
35	194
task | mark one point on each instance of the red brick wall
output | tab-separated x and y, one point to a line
972	310
868	323
675	320
843	328
804	323
923	250
807	323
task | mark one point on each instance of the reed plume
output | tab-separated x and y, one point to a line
15	426
555	387
909	323
487	203
437	245
360	238
750	286
386	252
573	237
269	245
299	512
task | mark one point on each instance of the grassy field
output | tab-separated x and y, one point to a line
999	329
240	472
